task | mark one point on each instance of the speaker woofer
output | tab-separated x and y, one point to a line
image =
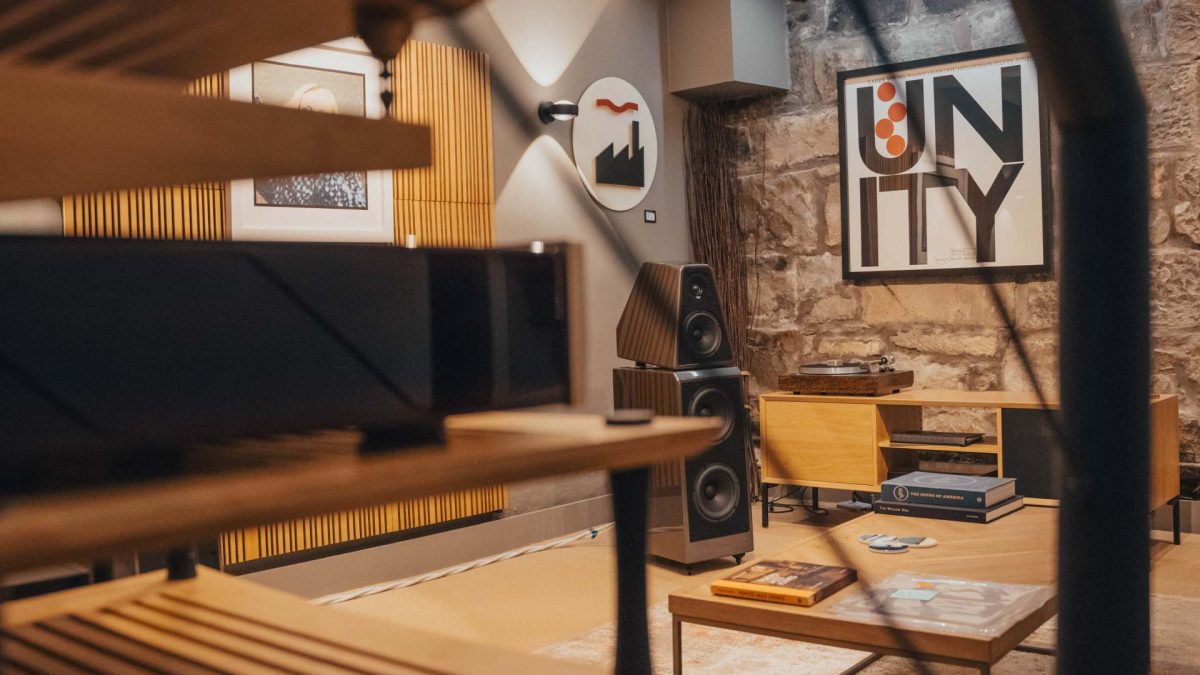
713	402
717	492
703	334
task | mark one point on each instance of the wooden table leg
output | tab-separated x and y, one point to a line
676	645
630	495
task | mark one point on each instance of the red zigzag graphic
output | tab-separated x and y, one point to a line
606	103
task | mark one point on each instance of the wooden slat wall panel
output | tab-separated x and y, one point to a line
346	526
450	202
187	212
447	204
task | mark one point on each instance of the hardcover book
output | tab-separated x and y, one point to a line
937	438
946	489
951	512
786	581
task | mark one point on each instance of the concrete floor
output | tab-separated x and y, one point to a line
546	598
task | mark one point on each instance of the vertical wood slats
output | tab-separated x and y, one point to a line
447	204
346	526
187	212
450	202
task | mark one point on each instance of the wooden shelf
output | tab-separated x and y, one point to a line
219	623
94	95
181	39
68	133
270	480
942	398
989	446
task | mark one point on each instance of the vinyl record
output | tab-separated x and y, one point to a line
888	547
918	542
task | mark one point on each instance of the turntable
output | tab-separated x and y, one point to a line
875	376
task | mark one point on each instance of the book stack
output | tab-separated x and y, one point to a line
975	499
786	581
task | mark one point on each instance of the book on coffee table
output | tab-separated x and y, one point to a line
786	581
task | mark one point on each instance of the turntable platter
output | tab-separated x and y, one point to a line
835	368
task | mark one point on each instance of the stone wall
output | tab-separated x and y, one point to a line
947	330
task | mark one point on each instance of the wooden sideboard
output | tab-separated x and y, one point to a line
844	442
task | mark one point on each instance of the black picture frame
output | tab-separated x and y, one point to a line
964	59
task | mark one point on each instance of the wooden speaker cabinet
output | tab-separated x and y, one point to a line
699	507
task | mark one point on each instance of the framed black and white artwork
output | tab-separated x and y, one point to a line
336	78
945	167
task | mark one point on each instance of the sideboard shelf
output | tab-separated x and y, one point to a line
844	442
989	446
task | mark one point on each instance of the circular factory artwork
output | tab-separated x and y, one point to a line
615	144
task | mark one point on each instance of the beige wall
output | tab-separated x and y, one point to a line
538	192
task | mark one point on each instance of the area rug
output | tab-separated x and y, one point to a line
1176	651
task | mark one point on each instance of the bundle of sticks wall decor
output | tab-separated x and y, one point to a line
710	147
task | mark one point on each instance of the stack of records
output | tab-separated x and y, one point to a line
977	499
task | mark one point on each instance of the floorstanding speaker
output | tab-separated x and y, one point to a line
699	507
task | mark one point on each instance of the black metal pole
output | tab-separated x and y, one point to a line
181	563
1104	351
630	493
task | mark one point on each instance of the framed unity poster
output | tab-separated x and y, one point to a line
945	167
338	78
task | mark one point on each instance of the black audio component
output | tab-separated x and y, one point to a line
128	349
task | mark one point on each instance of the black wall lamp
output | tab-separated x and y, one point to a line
557	111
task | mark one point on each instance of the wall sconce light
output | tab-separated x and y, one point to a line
560	111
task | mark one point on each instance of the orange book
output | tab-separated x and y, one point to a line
786	581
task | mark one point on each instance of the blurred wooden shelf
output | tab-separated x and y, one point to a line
275	479
988	446
93	95
68	133
217	623
180	40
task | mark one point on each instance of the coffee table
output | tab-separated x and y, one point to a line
1020	548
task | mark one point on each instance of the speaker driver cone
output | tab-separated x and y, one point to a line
703	334
713	402
717	492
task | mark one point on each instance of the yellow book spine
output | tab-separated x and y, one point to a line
740	590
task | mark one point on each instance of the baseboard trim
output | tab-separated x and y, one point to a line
333	574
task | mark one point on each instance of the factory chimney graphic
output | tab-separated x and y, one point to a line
626	168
